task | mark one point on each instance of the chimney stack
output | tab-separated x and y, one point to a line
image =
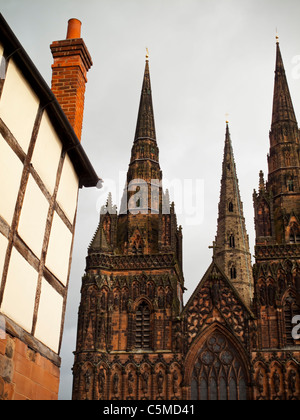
72	61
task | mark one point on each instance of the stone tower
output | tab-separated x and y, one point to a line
232	252
129	342
277	252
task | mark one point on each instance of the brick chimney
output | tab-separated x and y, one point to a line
72	61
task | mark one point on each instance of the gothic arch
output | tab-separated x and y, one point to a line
141	299
217	366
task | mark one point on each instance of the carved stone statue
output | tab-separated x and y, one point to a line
145	382
276	382
175	382
87	380
260	383
101	381
116	383
130	383
160	382
292	382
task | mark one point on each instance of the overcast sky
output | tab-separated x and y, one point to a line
208	58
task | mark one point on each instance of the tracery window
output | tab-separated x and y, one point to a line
219	373
142	327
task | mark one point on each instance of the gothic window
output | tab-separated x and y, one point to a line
218	373
233	273
230	207
231	241
291	185
142	327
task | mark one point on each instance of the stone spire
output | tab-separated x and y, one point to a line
145	125
283	110
283	186
231	248
144	170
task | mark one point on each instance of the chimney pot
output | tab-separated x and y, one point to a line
74	29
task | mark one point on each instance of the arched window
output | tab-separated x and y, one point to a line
142	327
294	234
219	373
233	273
231	241
230	207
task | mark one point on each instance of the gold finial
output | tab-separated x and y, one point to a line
227	115
277	36
147	54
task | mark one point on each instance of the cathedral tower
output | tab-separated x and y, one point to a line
277	251
128	343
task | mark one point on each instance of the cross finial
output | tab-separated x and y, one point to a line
214	247
147	54
227	116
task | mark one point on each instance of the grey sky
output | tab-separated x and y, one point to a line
207	58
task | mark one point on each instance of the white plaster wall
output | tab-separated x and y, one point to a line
68	190
10	175
20	290
49	317
3	248
33	217
59	249
18	105
47	153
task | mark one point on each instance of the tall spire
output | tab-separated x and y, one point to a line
231	249
283	109
281	194
145	125
144	163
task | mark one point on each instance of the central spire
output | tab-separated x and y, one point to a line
145	125
231	249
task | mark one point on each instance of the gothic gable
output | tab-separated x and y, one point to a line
216	300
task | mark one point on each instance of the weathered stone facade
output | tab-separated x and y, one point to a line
233	339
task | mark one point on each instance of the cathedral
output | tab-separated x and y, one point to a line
236	338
